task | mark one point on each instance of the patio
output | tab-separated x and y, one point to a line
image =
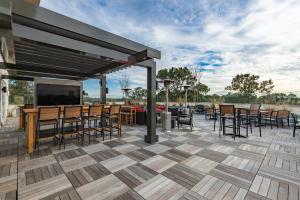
182	165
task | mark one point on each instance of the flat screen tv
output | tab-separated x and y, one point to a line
50	94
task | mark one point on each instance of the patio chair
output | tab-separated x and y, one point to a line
254	113
296	124
273	119
94	120
185	119
266	115
72	115
114	120
128	115
227	112
283	115
210	113
47	116
243	120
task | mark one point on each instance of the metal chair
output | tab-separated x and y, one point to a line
227	112
281	116
185	119
72	114
296	124
94	119
243	120
47	116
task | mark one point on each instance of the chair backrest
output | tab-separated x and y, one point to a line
95	110
210	110
254	108
227	110
28	106
48	113
274	113
72	111
283	113
114	109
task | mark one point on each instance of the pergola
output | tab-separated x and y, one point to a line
36	42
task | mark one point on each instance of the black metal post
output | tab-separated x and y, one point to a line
151	136
103	89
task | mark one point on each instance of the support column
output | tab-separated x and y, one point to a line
103	89
151	136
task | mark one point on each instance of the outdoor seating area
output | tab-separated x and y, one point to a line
181	163
67	133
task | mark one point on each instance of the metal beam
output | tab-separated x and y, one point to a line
151	136
12	77
74	29
28	33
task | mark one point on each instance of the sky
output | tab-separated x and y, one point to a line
216	38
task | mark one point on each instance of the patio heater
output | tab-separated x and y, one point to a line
166	115
126	91
186	87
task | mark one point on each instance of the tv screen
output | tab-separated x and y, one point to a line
50	94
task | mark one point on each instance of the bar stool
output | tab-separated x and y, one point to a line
94	115
72	114
114	119
227	112
47	116
128	115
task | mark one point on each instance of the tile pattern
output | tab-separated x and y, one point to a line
182	165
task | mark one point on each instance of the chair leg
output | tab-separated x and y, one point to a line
110	127
294	131
38	138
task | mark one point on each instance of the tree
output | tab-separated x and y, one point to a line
199	89
138	94
179	76
20	88
249	85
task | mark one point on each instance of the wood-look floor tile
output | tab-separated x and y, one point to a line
45	188
159	163
176	155
202	164
126	148
104	155
183	175
157	148
160	188
140	155
117	163
76	163
106	188
188	148
95	148
135	175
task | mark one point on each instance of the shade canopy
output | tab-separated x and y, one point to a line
38	42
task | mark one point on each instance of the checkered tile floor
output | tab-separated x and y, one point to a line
182	165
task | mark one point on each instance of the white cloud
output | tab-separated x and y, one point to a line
260	37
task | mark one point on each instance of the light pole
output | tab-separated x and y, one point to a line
126	91
186	87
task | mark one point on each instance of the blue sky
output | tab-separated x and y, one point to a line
217	38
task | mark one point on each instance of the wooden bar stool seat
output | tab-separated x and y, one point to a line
94	120
114	120
47	116
72	115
